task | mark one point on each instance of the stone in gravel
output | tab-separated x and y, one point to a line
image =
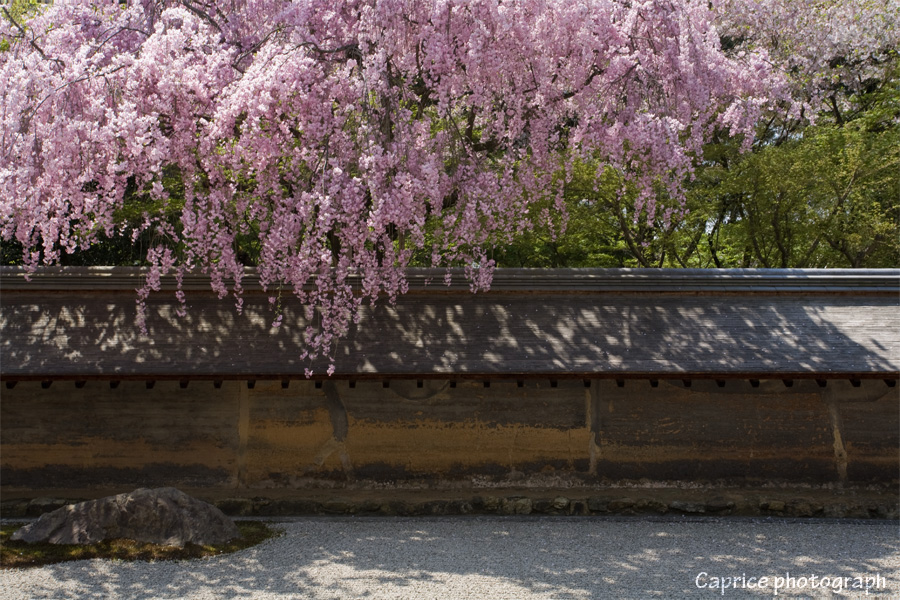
490	503
799	508
687	507
516	506
522	506
644	504
560	502
164	516
392	508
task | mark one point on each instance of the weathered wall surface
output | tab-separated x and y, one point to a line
64	436
436	434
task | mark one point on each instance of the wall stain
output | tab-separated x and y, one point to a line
271	437
337	444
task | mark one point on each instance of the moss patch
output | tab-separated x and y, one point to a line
23	555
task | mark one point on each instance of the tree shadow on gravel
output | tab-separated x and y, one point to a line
323	558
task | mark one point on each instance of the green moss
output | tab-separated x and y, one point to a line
24	555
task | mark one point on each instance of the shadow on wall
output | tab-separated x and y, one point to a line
91	334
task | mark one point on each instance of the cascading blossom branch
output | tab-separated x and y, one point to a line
343	137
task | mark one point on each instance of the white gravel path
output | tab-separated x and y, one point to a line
492	557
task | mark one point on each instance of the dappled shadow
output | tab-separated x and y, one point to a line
626	334
604	334
495	558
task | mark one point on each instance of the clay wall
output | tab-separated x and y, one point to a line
437	434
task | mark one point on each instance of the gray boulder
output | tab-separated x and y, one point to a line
164	516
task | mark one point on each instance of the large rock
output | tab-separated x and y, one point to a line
163	516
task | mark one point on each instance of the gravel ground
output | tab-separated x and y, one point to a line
493	557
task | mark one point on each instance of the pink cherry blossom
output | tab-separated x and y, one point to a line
345	136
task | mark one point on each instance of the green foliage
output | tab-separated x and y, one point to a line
17	11
828	199
22	8
590	236
827	195
805	196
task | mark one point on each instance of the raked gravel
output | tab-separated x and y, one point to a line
504	557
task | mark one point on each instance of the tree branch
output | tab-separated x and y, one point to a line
31	42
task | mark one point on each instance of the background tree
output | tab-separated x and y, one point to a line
821	185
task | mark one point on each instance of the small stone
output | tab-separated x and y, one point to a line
462	507
858	512
800	509
649	504
340	507
719	505
368	506
560	503
490	503
522	506
687	507
772	505
515	475
414	509
598	504
436	507
516	505
390	508
620	504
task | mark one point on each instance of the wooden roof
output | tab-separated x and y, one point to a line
79	323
